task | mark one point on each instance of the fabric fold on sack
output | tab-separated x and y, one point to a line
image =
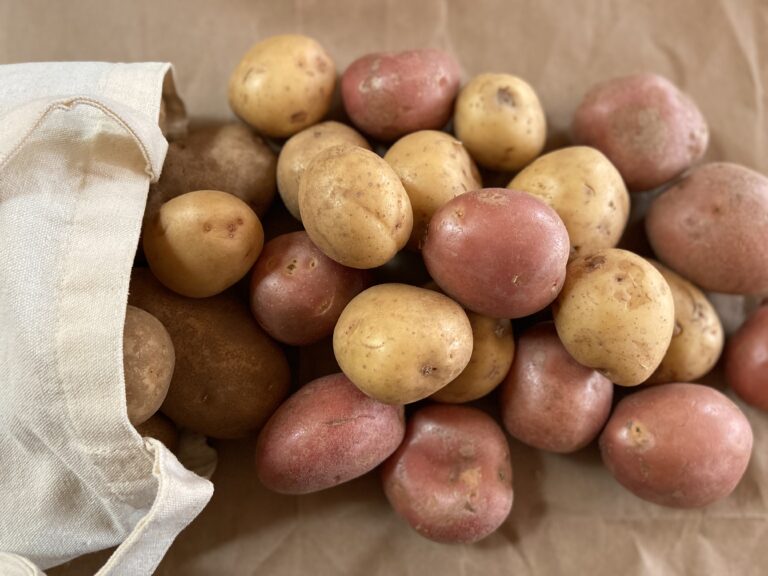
79	145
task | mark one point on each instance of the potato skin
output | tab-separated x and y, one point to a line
148	361
645	125
229	376
298	293
500	120
679	445
493	349
326	434
710	228
501	253
433	167
299	151
354	207
201	243
228	157
282	85
746	360
585	190
400	343
451	478
388	95
615	314
161	428
697	339
550	401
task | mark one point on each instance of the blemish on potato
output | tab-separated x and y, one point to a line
505	97
298	117
593	263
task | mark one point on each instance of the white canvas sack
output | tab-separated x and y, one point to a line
79	145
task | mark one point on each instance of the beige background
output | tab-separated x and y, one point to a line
569	517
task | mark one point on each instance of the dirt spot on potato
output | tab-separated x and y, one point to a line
593	263
298	117
505	97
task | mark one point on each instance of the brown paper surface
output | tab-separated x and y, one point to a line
569	516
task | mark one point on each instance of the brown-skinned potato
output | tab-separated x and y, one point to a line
229	375
148	363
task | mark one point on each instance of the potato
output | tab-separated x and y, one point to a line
585	190
399	343
746	357
433	167
229	375
354	207
500	121
160	428
615	314
550	401
299	151
680	445
148	360
388	95
298	293
282	85
645	125
492	353
201	243
697	339
327	433
227	157
710	228
501	253
451	478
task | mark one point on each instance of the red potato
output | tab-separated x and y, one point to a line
550	401
298	293
451	478
325	434
644	124
679	445
501	253
388	95
712	228
746	360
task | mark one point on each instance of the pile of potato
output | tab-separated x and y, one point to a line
398	257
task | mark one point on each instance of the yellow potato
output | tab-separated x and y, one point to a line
354	207
433	167
299	151
500	120
585	190
697	340
400	343
282	85
492	355
615	314
201	243
148	361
